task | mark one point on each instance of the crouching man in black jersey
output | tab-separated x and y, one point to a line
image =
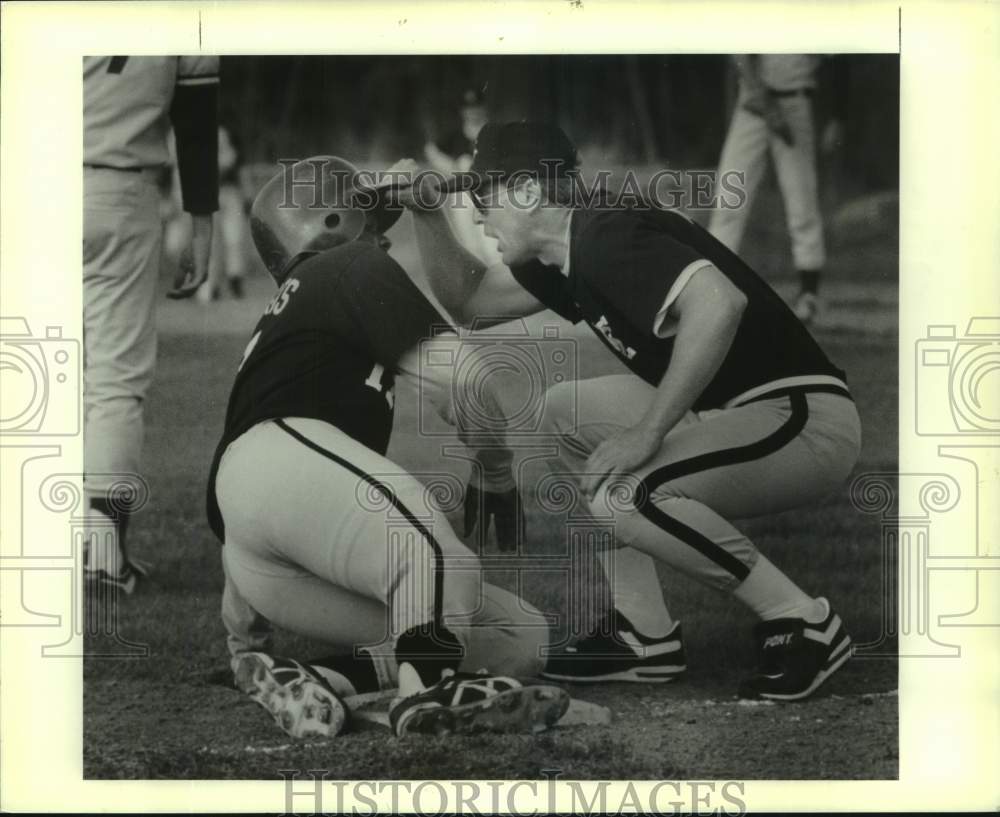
728	409
322	534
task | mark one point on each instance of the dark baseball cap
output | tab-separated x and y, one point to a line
517	150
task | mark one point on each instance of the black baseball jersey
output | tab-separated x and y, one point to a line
327	347
622	267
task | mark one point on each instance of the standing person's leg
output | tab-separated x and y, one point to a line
121	254
232	225
756	459
744	151
795	166
212	288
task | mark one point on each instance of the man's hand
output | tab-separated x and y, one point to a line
192	270
621	454
504	507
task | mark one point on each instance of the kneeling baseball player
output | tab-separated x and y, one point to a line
301	467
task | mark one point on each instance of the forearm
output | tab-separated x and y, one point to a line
453	273
703	340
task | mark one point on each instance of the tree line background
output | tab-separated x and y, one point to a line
667	110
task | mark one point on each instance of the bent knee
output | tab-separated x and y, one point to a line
627	494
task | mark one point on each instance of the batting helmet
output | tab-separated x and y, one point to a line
311	206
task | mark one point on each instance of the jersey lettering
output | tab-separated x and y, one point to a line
604	328
280	300
377	380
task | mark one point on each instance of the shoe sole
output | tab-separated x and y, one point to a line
818	681
302	708
526	710
636	676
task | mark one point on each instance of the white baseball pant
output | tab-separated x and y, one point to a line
121	253
332	541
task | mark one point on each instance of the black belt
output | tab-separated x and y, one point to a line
111	167
788	391
793	92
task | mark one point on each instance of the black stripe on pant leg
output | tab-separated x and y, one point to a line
717	459
391	496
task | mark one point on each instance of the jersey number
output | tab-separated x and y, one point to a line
375	381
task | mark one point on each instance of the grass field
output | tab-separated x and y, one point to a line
170	715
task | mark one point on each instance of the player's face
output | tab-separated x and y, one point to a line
506	215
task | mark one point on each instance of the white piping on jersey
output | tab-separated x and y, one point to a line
208	80
569	237
786	382
675	290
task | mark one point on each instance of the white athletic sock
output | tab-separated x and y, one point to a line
771	594
102	550
636	591
409	680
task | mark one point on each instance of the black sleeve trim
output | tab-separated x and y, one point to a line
195	117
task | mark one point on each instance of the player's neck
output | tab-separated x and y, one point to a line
553	235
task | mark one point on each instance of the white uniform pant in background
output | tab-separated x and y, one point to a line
230	238
748	144
332	541
121	254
